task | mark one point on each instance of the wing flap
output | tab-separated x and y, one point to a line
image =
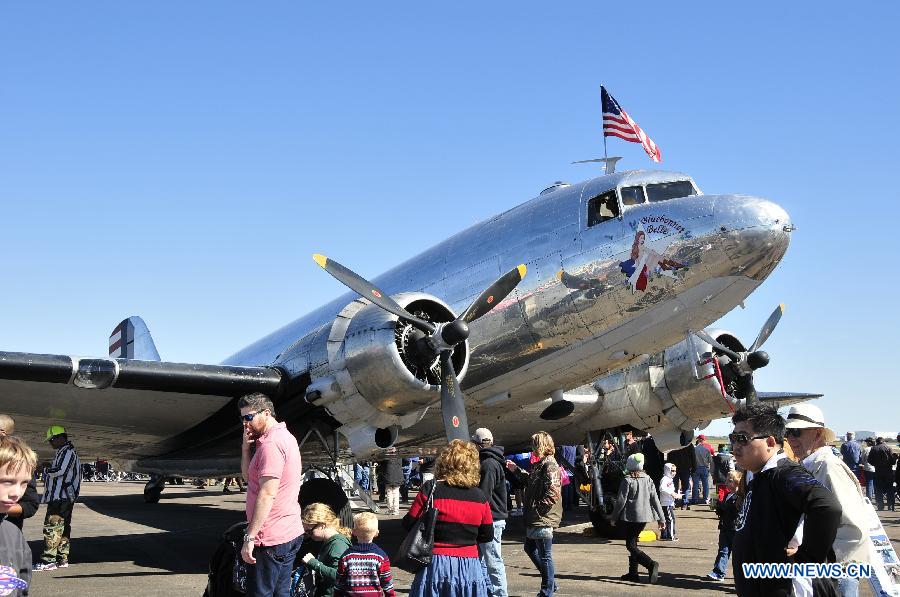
786	398
159	376
125	407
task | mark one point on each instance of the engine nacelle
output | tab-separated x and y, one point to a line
669	438
694	383
377	377
668	394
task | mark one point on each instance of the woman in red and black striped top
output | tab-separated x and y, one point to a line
464	520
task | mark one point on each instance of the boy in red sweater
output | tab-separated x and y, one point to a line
364	570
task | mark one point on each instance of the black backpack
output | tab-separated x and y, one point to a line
225	578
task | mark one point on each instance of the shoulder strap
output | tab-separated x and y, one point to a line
430	502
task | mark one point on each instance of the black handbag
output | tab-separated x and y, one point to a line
415	551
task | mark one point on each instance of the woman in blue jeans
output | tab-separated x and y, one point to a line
543	507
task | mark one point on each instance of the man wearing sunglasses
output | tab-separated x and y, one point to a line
779	493
810	440
270	463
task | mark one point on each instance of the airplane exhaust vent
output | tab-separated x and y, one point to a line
556	185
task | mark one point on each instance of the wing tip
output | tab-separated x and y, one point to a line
320	259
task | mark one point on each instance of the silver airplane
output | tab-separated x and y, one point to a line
580	310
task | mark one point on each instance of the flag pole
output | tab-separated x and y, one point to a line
603	132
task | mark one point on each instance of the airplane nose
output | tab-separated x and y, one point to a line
757	233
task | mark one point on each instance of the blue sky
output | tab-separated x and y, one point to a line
182	161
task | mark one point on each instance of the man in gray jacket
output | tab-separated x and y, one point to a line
704	453
493	484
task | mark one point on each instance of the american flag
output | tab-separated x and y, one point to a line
617	123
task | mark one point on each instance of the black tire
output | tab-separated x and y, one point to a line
151	496
600	522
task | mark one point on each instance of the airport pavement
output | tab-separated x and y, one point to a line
122	546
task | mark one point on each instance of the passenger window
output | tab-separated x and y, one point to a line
602	208
670	190
633	195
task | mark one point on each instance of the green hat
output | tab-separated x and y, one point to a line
54	431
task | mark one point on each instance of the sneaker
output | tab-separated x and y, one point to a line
62	563
631	576
716	576
40	566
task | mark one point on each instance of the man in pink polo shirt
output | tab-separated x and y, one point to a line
270	463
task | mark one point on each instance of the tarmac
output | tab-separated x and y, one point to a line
122	546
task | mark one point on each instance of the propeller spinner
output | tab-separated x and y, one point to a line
440	339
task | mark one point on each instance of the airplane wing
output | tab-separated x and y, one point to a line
128	407
786	398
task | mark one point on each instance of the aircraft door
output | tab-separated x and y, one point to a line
592	277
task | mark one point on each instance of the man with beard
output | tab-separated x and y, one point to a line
493	484
270	463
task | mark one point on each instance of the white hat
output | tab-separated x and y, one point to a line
635	462
481	435
808	416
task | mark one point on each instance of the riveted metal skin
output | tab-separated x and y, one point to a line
575	312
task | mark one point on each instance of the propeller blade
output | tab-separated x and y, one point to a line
367	290
767	328
494	294
453	407
716	344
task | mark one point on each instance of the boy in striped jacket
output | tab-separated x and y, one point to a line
364	570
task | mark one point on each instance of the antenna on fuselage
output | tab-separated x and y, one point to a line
609	164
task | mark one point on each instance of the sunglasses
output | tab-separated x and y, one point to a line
743	439
248	418
793	432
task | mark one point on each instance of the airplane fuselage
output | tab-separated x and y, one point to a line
617	267
707	254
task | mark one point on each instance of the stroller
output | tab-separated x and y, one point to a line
228	576
225	577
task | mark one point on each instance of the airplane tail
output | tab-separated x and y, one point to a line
131	340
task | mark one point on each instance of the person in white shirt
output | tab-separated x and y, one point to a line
667	497
810	441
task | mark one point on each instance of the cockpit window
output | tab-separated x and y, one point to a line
602	208
664	191
633	195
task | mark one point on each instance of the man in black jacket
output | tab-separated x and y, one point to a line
779	493
493	484
29	503
392	468
881	457
897	468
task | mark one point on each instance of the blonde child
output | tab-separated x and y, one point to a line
17	462
364	570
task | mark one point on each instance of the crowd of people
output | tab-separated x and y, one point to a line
811	507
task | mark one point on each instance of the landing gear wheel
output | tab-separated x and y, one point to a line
599	519
154	488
